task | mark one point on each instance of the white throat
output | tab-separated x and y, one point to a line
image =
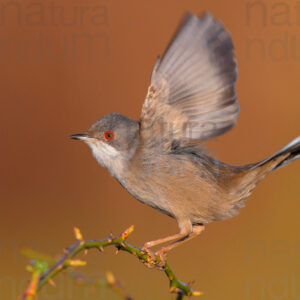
107	156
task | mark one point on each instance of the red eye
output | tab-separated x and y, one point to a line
109	135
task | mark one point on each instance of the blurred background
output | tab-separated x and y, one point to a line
65	64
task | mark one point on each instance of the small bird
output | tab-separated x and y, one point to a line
161	159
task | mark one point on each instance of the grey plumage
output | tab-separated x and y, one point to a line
126	129
160	159
192	85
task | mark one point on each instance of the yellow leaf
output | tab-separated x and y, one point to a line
77	263
78	234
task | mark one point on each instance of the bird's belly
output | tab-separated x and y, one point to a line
148	193
172	198
184	194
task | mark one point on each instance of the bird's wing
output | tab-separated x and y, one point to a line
192	93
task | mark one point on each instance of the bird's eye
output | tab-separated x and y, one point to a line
109	135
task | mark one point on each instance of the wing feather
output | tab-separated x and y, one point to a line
192	92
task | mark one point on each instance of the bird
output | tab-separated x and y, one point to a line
161	159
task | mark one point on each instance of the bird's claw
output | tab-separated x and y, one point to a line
150	260
161	257
157	259
146	250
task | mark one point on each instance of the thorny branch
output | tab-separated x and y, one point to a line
43	274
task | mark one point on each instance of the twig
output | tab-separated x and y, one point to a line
43	274
179	297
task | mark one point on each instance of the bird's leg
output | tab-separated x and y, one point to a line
153	243
197	229
185	228
146	246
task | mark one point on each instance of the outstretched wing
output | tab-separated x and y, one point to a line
192	92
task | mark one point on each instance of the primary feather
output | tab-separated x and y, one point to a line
192	92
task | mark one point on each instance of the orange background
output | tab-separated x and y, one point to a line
50	184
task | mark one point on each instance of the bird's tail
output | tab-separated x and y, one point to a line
250	175
254	173
283	157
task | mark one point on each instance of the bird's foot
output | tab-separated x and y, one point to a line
154	260
161	257
150	260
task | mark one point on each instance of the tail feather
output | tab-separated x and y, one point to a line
283	157
252	174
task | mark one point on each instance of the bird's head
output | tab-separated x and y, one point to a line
113	140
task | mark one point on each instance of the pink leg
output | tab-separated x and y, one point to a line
151	244
197	229
185	228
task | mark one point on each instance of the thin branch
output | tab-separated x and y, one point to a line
43	274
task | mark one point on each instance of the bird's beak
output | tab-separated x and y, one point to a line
80	136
